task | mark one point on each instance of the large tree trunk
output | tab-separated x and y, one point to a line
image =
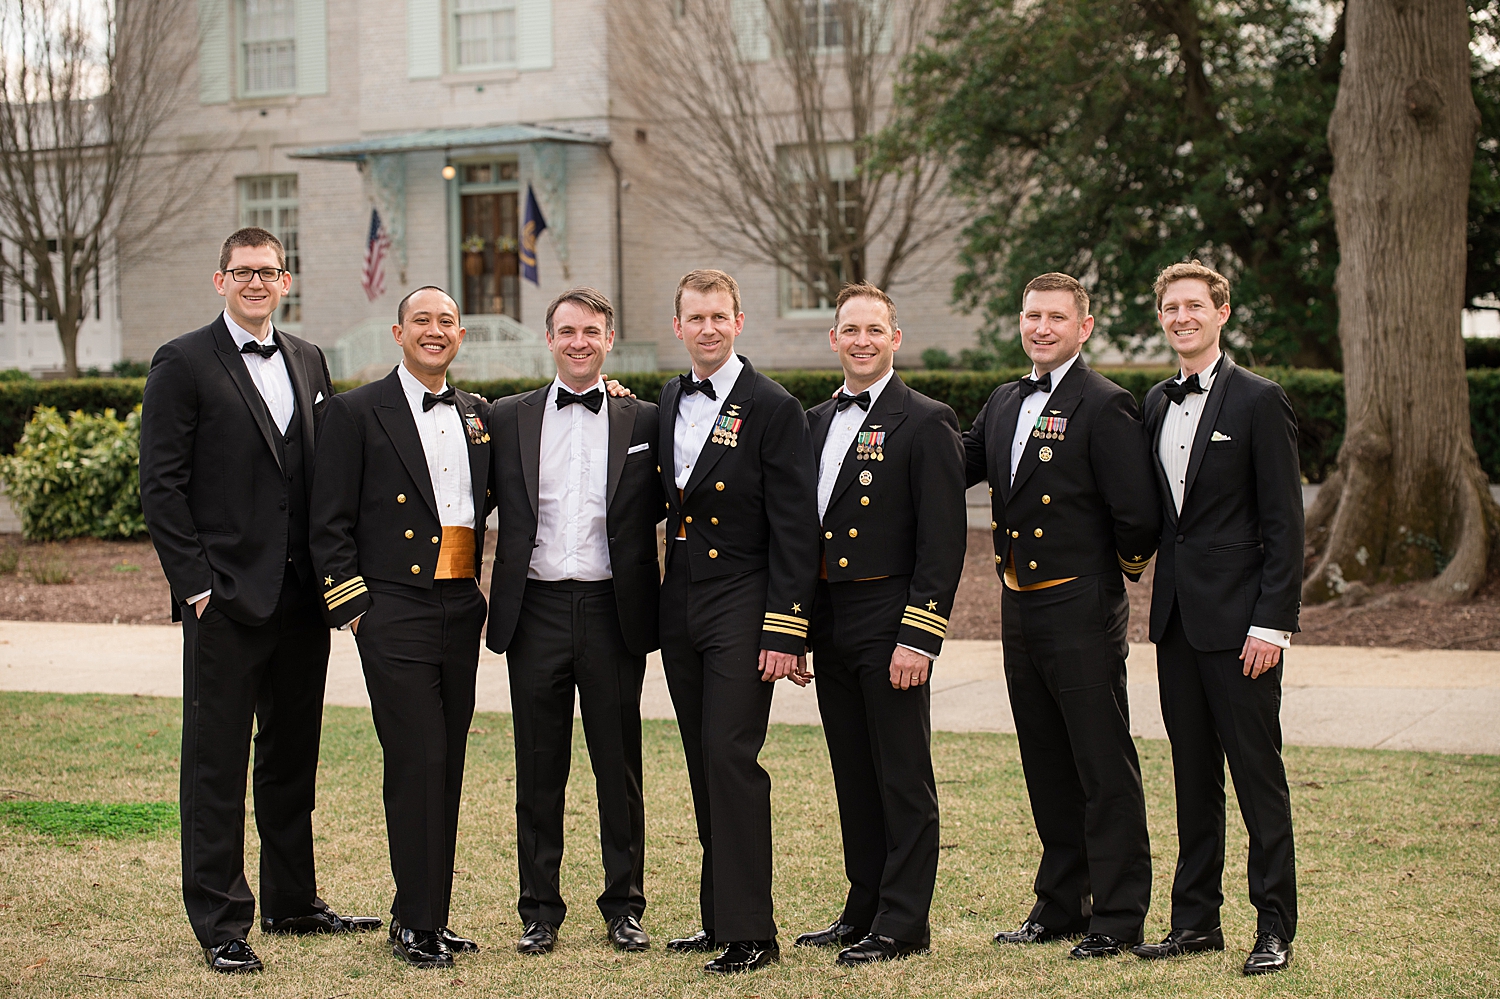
1409	499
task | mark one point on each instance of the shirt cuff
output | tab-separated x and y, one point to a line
198	596
1278	638
920	652
347	625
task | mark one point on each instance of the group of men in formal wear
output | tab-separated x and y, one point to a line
281	509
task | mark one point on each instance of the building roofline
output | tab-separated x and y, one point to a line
447	139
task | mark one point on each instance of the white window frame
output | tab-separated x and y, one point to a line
455	35
795	292
242	51
281	200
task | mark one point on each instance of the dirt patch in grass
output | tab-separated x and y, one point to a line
84	580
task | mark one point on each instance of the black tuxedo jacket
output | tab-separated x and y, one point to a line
904	513
753	505
633	508
212	487
374	511
1233	558
1084	501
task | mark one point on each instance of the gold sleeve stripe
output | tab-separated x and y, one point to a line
347	584
784	631
1134	564
919	612
337	602
786	617
924	626
924	620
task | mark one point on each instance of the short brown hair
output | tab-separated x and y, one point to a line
252	235
706	281
863	289
585	298
1218	284
1057	281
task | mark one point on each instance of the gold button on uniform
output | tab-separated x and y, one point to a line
853	533
992	490
714	521
1032	563
828	535
843	562
658	468
1015	534
864	501
400	497
436	539
998	560
1038	532
719	486
409	534
994	525
713	553
689	520
416	570
1046	499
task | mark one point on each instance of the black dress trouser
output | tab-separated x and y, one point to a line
420	653
710	647
568	635
1065	651
880	744
1213	712
233	675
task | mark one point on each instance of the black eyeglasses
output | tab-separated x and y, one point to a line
267	274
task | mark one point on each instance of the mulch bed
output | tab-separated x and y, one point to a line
122	582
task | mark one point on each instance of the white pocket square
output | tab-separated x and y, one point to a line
1220	437
639	447
318	399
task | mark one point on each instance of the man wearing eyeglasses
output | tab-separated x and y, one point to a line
227	430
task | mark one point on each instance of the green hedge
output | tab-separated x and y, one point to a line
79	477
19	399
1482	352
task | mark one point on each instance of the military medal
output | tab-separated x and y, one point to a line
1050	427
727	430
1045	454
865	478
868	444
474	426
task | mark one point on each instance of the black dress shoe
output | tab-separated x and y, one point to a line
232	957
1032	932
879	948
420	948
539	937
838	934
699	943
321	921
1097	945
456	943
1179	942
744	955
1271	954
626	934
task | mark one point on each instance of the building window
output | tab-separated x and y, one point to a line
484	33
809	292
489	237
268	46
271	203
825	29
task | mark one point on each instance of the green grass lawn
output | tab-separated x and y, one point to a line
1397	863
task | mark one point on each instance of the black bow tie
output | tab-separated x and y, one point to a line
689	386
1030	385
1178	391
593	399
266	350
429	400
845	400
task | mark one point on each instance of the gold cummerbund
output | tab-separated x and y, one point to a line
456	555
1012	583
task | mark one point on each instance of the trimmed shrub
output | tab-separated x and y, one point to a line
78	477
19	399
1482	352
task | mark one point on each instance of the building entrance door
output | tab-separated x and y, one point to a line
491	263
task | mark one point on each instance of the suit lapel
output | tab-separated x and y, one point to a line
737	404
229	355
884	417
301	389
1063	400
621	422
820	423
479	455
666	436
1003	432
1211	407
394	414
1156	420
529	436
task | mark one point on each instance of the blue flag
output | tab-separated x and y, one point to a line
532	225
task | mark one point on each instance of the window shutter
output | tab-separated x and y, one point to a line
213	51
534	34
750	33
312	47
424	39
884	14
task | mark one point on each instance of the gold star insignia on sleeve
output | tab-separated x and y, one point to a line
327	580
796	608
932	605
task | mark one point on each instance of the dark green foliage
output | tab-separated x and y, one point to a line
131	369
937	359
1484	417
15	375
1482	277
69	821
19	399
76	477
1482	352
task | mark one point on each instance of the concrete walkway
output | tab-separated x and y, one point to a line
1334	696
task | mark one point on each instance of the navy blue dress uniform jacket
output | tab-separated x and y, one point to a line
904	513
1084	500
753	504
374	511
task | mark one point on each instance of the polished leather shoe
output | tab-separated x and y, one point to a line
1271	954
876	947
420	948
1179	942
321	921
838	934
744	955
539	937
232	957
1032	932
626	934
456	943
699	943
1098	945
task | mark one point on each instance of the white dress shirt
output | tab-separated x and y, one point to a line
841	433
572	539
1175	447
1031	408
695	419
445	444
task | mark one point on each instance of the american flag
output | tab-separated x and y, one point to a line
372	277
